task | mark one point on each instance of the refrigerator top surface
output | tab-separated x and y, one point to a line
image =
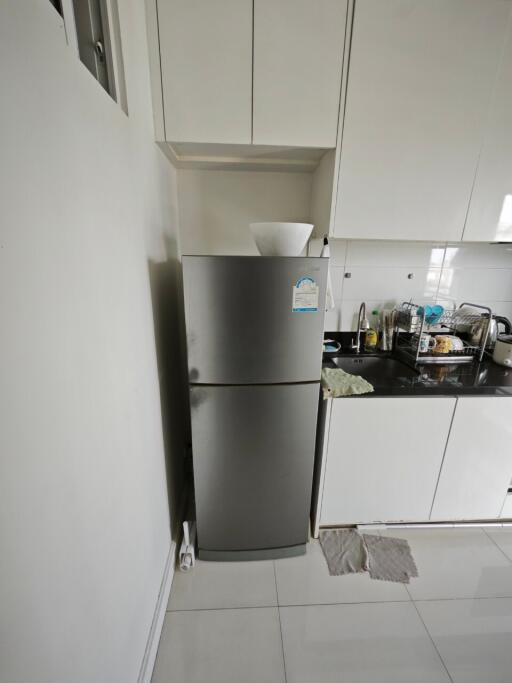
254	319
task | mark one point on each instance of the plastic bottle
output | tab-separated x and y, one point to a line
370	342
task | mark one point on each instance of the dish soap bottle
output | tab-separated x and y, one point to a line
370	342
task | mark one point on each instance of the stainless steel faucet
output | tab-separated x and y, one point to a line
361	326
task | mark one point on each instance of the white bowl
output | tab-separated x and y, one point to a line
281	239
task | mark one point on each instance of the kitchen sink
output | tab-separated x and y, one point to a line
374	368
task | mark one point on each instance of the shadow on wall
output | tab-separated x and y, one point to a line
168	314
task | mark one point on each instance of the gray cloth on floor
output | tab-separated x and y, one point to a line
348	552
390	559
344	551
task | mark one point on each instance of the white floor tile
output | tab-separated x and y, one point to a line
456	563
220	646
502	538
473	637
215	585
371	643
305	581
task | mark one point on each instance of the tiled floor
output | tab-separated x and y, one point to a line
288	621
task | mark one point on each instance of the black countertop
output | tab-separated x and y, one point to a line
486	378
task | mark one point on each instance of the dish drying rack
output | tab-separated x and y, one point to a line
411	324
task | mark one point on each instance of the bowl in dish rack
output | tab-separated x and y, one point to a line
281	239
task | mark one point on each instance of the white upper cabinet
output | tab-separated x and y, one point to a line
206	63
420	81
298	55
490	210
240	72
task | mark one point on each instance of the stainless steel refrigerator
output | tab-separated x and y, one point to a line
254	339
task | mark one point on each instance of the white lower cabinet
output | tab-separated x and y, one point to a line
477	466
383	458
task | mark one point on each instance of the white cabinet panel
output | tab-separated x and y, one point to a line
298	52
477	466
206	61
490	210
420	82
383	458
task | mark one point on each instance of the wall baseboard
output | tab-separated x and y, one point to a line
148	661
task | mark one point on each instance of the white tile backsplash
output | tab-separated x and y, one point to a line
387	254
350	311
337	281
338	249
449	273
332	321
503	308
470	284
390	283
474	255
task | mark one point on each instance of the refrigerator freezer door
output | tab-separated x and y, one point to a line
241	326
253	450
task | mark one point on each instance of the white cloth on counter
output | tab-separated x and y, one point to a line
336	382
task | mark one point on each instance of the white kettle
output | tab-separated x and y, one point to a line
503	350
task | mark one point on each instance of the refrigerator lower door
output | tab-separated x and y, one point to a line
253	450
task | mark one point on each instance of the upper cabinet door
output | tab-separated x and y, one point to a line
298	55
206	62
420	82
490	210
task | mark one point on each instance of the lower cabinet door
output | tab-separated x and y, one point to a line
477	465
383	458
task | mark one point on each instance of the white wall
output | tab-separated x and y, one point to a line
450	273
85	204
216	207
